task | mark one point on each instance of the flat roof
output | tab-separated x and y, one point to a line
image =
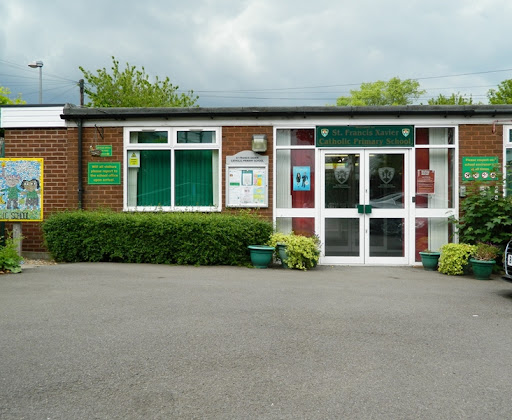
72	112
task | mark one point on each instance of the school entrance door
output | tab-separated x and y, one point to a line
364	206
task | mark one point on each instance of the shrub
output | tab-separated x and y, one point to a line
485	215
454	258
158	238
10	260
485	252
303	252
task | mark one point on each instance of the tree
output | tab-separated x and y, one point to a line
132	88
454	99
503	95
392	92
5	100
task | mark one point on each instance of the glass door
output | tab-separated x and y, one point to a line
364	207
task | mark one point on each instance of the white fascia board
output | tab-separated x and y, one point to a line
31	117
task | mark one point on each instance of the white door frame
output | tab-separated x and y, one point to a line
364	220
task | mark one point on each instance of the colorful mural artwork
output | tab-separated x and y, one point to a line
21	189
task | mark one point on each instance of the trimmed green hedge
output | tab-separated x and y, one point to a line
157	238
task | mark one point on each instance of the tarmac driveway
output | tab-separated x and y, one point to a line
126	341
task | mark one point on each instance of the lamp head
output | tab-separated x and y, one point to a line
35	64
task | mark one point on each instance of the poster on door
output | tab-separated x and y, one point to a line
425	181
21	189
301	178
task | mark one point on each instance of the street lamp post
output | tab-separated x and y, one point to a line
34	65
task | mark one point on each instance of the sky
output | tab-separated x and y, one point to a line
236	53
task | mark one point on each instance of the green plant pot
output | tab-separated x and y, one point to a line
430	260
283	256
261	255
482	270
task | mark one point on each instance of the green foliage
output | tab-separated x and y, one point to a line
454	99
485	252
10	260
454	258
392	92
158	238
503	95
132	88
6	100
303	252
485	215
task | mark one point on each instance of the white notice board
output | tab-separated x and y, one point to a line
247	180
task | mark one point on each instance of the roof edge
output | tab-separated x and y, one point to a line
72	112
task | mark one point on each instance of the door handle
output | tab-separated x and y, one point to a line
364	208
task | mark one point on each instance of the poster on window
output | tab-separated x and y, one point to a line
21	189
301	178
425	181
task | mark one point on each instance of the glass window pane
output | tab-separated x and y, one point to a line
148	137
299	225
386	237
341	180
435	135
198	136
509	171
440	163
295	178
432	234
196	177
387	180
295	137
150	183
342	237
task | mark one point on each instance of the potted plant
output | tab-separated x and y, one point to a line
483	260
296	251
454	258
430	259
261	255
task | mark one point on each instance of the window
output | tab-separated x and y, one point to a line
507	133
173	169
295	180
435	195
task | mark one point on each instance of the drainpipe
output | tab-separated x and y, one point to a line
80	161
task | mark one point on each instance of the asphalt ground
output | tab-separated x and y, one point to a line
127	341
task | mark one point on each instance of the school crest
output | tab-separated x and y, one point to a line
386	174
342	174
324	132
406	132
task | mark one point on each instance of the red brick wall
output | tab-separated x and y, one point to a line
60	172
480	140
239	138
101	196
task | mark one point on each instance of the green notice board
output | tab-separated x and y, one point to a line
108	173
480	168
365	136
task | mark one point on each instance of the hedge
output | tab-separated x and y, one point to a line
157	238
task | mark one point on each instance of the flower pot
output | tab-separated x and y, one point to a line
430	260
482	269
261	255
283	256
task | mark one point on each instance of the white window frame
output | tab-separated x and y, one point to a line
507	145
172	145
